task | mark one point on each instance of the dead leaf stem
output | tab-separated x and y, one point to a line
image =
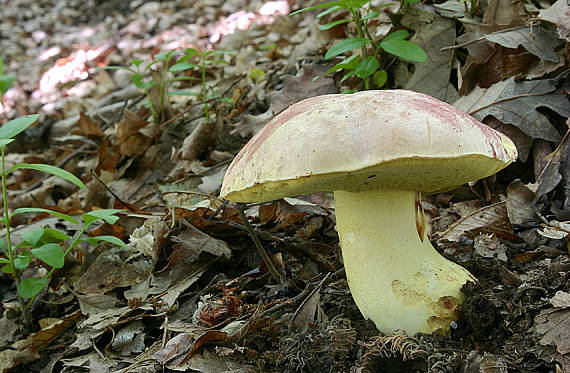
278	276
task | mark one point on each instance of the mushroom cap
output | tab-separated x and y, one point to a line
390	139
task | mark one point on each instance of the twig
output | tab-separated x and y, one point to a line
278	276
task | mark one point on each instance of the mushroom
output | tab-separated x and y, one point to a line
375	150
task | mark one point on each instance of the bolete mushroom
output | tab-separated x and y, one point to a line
375	150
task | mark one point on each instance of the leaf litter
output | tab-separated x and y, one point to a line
190	291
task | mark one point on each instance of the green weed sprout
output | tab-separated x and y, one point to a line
367	66
49	246
6	80
167	76
205	60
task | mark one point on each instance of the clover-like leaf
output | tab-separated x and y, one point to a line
23	260
30	287
32	238
51	254
367	67
107	215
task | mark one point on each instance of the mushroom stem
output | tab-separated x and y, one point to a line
399	282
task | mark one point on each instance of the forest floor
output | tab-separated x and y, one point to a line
190	291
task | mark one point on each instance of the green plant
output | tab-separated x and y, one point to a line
48	245
166	75
200	61
6	80
139	77
368	65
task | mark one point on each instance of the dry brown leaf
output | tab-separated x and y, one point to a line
192	242
522	142
131	140
176	346
94	303
432	32
515	103
129	339
200	140
552	326
488	63
520	201
88	127
251	124
310	311
300	87
490	247
107	158
558	14
550	175
490	219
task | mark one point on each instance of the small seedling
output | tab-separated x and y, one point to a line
368	65
171	65
49	246
202	61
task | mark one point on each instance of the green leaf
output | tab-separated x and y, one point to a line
54	236
267	47
104	214
32	238
354	3
162	56
24	210
191	52
182	66
222	52
349	91
137	62
31	287
348	64
51	254
23	260
8	269
333	24
6	82
347	75
345	46
140	83
180	78
183	93
320	6
379	78
4	142
404	49
50	170
4	260
111	239
370	15
124	68
328	11
14	127
398	34
367	67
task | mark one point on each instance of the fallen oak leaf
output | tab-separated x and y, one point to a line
515	103
490	219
